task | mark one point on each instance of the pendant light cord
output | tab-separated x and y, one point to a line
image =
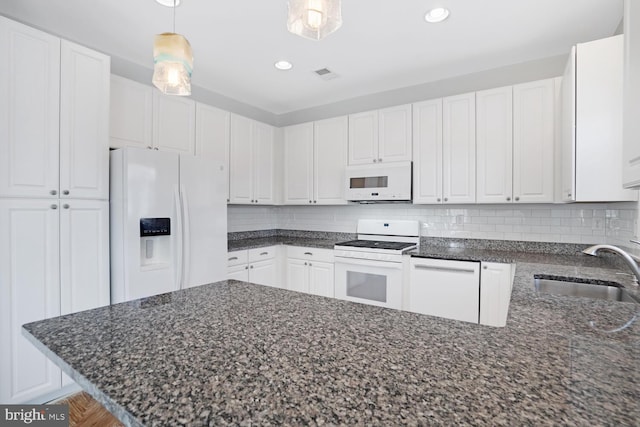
174	16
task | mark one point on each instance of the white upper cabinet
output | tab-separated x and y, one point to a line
592	99
459	149
53	118
174	119
315	159
84	122
380	136
298	164
631	122
494	138
534	114
251	160
330	159
212	138
29	111
131	118
427	152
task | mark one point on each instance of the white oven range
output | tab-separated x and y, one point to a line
369	270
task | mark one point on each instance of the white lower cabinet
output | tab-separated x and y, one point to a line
48	267
445	288
496	281
310	270
259	266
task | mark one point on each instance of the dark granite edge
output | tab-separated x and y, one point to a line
280	232
117	410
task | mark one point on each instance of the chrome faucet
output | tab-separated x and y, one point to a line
631	260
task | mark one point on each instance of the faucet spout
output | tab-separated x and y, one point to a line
631	261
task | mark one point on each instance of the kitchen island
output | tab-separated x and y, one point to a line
234	353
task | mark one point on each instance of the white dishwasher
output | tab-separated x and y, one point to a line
445	288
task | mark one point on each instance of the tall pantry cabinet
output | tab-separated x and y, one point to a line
54	117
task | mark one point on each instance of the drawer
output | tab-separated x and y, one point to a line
237	257
260	254
324	255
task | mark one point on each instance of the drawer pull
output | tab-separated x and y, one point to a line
453	269
264	253
308	253
233	258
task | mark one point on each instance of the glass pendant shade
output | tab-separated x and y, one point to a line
314	19
173	64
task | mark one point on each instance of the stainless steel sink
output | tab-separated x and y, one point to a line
610	291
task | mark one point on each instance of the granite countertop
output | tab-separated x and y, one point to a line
261	242
234	353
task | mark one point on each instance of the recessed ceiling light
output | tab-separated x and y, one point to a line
283	65
438	14
169	3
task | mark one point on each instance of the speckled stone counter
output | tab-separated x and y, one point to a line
261	242
234	353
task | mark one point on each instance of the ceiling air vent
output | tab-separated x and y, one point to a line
326	74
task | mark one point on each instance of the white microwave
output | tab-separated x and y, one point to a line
389	182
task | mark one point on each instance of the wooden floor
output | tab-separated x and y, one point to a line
84	411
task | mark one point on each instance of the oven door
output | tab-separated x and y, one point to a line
369	282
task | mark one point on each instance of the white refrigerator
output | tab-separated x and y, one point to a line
168	223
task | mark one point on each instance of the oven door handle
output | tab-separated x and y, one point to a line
368	263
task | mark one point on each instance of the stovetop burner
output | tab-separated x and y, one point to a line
376	244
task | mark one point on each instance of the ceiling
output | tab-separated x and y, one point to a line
383	44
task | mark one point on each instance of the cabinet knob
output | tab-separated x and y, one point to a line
227	200
446	199
484	267
65	192
569	195
517	199
438	199
508	199
375	160
66	206
251	266
306	263
379	160
149	147
310	201
315	201
53	192
54	206
246	267
156	148
310	264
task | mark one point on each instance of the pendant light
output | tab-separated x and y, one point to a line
172	62
314	19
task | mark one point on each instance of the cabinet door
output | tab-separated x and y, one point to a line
84	255
427	152
131	114
298	164
363	138
568	95
212	139
459	149
263	156
29	291
321	279
297	275
174	120
599	71
264	273
29	111
238	272
394	125
533	141
494	138
444	288
240	161
331	139
84	122
631	101
495	293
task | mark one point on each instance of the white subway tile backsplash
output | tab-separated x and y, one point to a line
613	223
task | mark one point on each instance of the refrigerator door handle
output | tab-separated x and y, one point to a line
179	238
186	238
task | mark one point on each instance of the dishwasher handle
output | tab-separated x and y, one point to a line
449	269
